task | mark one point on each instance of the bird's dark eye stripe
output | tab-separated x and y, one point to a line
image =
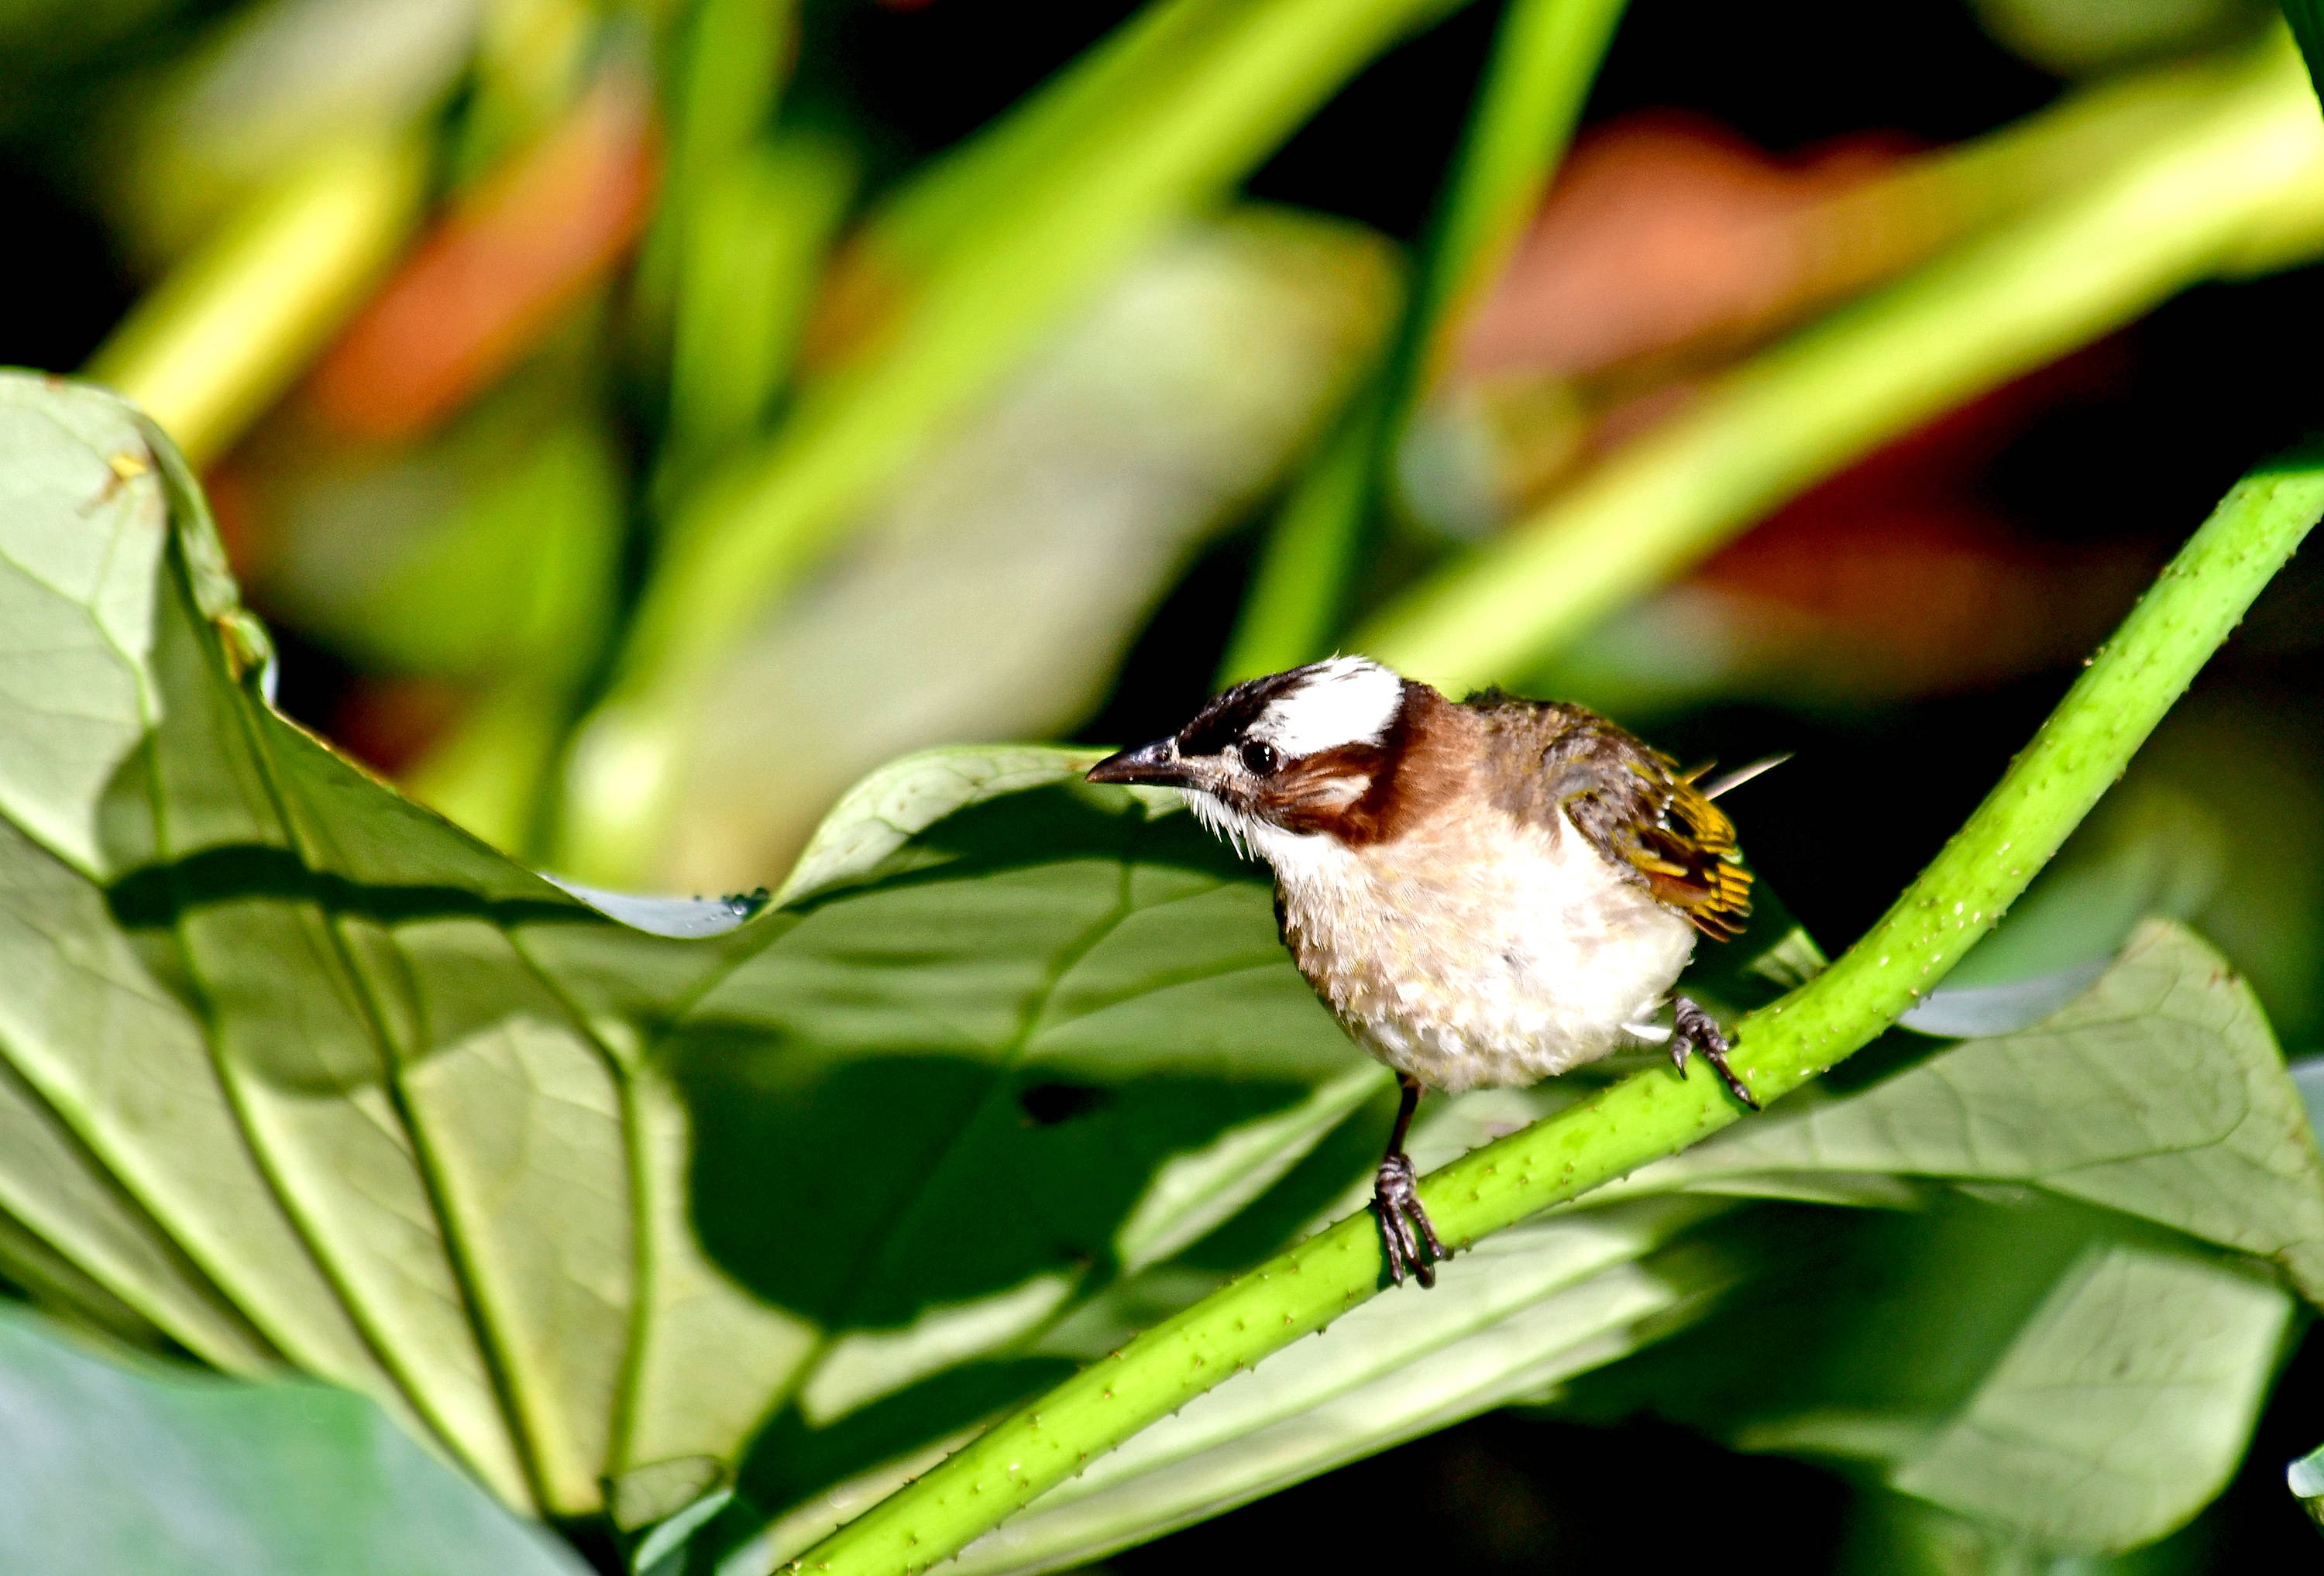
1259	759
1215	729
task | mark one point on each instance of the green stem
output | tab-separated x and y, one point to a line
750	249
1545	57
2208	174
1310	552
2131	681
220	338
731	61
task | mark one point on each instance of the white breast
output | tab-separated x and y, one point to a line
1464	971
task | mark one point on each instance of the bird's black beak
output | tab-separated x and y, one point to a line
1156	765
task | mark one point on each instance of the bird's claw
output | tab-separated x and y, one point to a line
1693	1030
1396	1197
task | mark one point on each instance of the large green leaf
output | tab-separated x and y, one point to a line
2058	1352
2062	1376
2120	1407
295	1072
114	1471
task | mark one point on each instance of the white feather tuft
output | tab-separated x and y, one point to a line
1231	826
1348	700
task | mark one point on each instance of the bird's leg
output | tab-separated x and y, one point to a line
1693	1030
1397	1198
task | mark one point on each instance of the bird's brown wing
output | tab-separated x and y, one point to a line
1639	810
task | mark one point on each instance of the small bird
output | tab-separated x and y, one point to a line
1487	891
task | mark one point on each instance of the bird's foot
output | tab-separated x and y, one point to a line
1396	1197
1696	1030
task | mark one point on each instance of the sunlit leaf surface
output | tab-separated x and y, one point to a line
295	1074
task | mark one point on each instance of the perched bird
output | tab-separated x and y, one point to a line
1487	891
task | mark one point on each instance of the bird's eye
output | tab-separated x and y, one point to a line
1258	759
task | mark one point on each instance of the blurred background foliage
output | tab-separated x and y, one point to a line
638	419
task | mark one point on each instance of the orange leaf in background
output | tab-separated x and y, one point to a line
1664	230
498	273
1667	247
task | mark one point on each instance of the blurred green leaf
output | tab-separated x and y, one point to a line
928	339
486	559
2263	783
1131	73
2220	822
2076	38
2120	1408
1309	553
271	88
733	61
1544	60
729	61
117	1469
2149	849
241	315
2307	20
994	594
43	39
751	258
492	550
2063	1380
1891	1535
533	60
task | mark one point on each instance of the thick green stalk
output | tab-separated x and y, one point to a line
1545	57
2131	681
2208	175
218	340
1112	85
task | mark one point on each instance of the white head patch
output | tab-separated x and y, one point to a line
1348	700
